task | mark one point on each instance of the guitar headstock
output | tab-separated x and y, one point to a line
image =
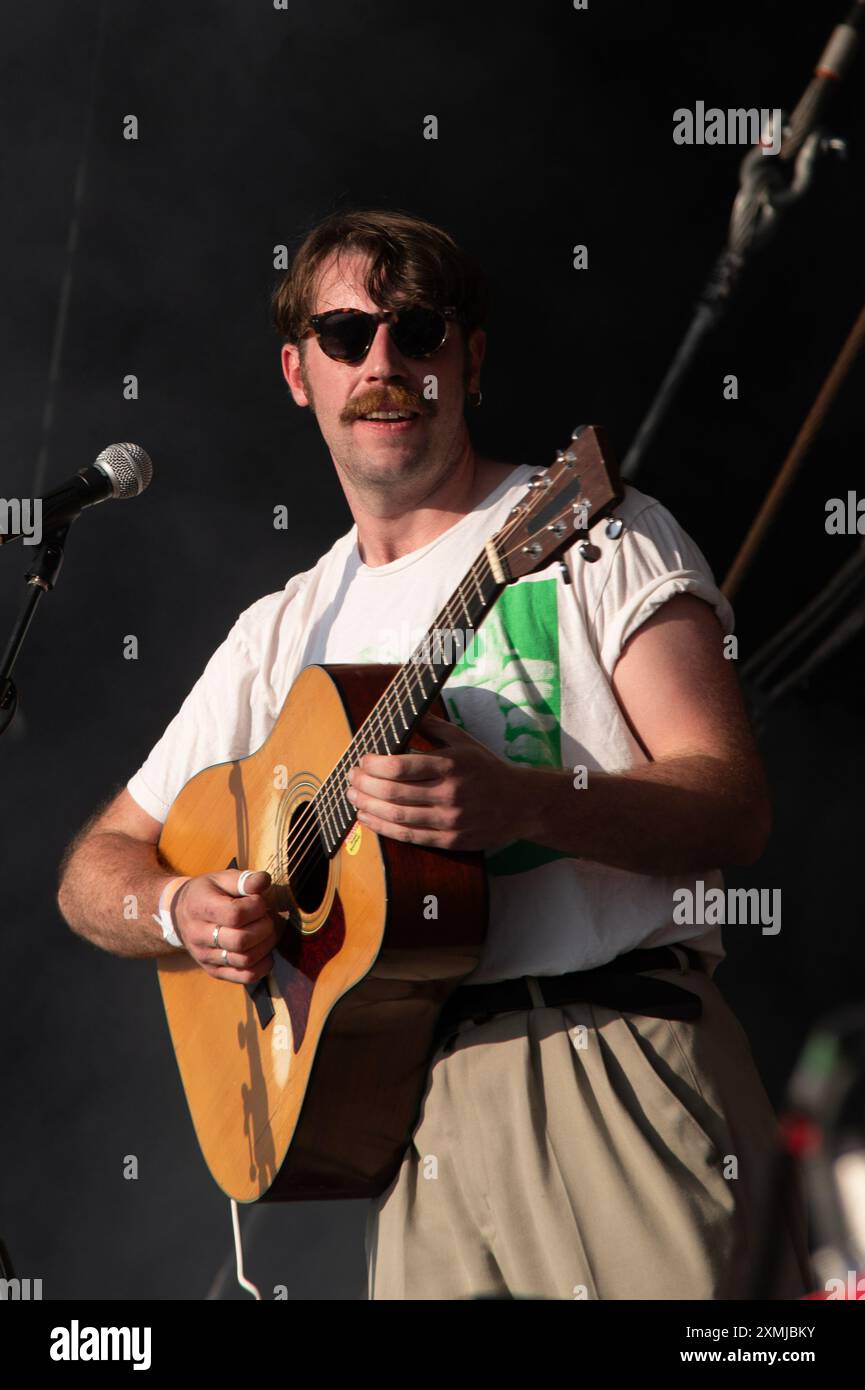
561	504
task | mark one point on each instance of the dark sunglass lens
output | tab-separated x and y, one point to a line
345	337
418	331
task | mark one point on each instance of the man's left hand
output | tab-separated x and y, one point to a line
460	797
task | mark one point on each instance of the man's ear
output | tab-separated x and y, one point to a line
476	347
291	370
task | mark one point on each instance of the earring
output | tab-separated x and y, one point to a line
475	397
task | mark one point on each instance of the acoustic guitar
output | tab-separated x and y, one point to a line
308	1084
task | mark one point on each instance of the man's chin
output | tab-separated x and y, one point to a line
384	465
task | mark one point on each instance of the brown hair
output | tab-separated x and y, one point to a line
410	260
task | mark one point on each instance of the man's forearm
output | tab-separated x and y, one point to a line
109	889
684	815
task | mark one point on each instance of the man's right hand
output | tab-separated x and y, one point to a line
247	930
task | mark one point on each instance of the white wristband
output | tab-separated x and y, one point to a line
163	917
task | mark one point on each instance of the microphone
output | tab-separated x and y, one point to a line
121	470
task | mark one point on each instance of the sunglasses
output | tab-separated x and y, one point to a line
346	335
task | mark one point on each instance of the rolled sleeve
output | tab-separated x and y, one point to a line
655	560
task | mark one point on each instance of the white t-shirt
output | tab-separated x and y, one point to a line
534	686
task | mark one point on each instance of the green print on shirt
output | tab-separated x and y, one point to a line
507	691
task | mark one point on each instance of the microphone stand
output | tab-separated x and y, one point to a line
768	186
40	578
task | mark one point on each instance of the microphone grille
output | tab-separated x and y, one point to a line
128	466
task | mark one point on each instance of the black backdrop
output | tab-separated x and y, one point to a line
555	127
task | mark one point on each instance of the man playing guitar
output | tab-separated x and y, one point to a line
577	1137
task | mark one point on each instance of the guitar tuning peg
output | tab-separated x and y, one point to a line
614	527
566	574
590	553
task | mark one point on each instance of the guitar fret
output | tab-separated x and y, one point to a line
330	826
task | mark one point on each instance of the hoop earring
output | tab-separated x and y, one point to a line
475	398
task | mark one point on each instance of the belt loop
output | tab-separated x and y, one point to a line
537	998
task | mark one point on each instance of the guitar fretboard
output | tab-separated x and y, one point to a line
392	720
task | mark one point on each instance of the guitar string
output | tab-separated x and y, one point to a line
310	825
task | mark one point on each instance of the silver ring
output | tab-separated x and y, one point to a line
215	938
224	956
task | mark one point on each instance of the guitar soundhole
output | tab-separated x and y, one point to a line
310	862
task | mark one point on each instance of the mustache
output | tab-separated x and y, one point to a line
394	398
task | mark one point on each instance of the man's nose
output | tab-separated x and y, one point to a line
384	360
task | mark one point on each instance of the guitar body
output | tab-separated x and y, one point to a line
309	1085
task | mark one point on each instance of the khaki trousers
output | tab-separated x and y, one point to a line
578	1152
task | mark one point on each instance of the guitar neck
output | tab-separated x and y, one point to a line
395	716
